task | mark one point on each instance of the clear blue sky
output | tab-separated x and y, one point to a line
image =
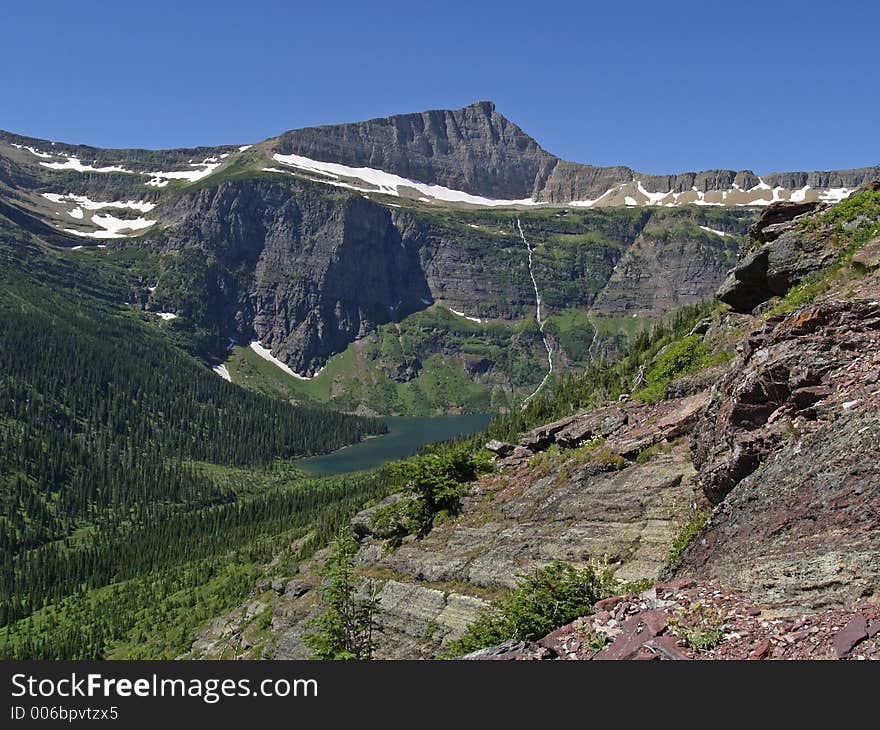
660	86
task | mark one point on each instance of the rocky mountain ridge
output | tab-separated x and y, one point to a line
312	271
479	151
324	243
474	151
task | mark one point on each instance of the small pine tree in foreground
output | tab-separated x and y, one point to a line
347	628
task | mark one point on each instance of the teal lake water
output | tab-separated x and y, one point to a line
404	438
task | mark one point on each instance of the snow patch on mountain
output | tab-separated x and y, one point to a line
82	201
462	314
32	150
205	168
835	195
73	163
267	355
222	372
112	227
387	183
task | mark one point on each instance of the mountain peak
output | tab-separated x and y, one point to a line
474	149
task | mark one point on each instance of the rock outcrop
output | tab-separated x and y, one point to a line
319	273
474	149
788	381
785	256
790	446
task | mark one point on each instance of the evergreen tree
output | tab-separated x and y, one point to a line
346	629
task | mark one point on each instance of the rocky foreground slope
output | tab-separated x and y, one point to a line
771	460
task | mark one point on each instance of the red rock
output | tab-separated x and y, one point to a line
846	639
654	622
555	639
645	654
606	604
635	632
679	584
873	629
667	648
762	651
753	611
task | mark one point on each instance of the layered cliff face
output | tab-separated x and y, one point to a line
474	149
315	272
478	151
309	272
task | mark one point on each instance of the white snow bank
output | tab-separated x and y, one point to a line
462	314
245	147
798	196
222	372
653	198
165	315
266	354
715	231
112	227
161	179
140	205
388	183
588	203
32	150
835	195
73	163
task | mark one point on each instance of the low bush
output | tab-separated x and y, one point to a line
437	480
543	601
684	356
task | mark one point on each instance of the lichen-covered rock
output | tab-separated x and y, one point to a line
783	375
789	445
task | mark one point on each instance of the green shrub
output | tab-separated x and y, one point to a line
866	203
438	480
395	521
684	356
347	628
545	600
687	534
699	625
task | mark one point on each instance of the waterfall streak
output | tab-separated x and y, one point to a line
538	317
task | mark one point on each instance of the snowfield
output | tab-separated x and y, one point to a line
387	183
84	202
73	163
266	354
33	151
715	231
161	179
222	372
462	314
112	227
